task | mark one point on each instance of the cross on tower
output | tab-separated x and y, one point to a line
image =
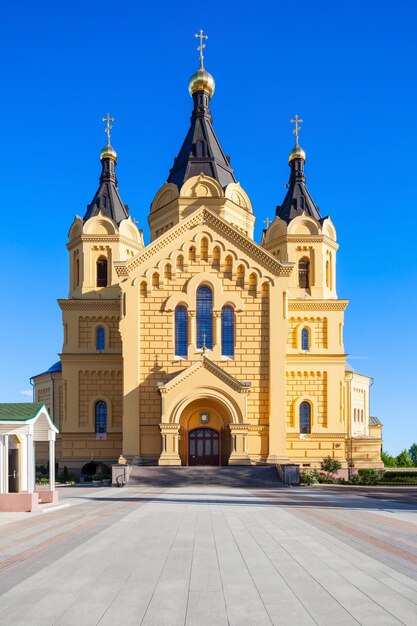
297	128
201	46
267	222
108	128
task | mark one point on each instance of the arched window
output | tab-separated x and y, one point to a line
228	331
155	280
191	254
240	274
253	283
168	272
228	266
305	339
305	418
327	274
204	317
181	332
204	249
101	417
100	338
216	256
304	273
180	262
143	289
102	273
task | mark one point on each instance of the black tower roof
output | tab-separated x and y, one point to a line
201	151
297	200
107	199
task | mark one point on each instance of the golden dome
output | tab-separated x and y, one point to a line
297	153
201	81
108	152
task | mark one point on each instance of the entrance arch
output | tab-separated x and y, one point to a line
204	436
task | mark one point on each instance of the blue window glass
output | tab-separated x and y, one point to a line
181	332
204	317
305	418
305	339
101	417
100	338
228	331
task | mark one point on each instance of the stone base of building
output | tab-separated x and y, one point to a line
169	459
239	459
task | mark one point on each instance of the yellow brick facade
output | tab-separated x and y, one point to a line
284	395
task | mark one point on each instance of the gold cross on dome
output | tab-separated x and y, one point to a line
108	128
201	46
267	222
297	128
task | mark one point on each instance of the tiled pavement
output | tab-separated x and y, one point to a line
214	555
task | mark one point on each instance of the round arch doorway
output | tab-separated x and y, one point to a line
204	437
203	447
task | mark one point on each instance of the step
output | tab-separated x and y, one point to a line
237	477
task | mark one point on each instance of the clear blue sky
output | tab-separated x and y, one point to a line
348	68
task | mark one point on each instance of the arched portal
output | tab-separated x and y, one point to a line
205	436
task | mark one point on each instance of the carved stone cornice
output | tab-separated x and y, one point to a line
90	305
205	216
317	305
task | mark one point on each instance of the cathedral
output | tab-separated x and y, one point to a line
205	347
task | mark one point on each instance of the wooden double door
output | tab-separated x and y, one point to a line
203	447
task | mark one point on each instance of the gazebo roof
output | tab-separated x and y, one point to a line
19	411
21	414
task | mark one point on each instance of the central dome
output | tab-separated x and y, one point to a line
201	81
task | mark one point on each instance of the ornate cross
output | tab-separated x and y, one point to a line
201	46
108	128
297	128
267	222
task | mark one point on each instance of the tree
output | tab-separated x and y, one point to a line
330	465
413	454
404	460
388	460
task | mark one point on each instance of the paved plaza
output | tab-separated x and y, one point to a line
213	553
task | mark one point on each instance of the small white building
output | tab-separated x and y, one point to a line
21	426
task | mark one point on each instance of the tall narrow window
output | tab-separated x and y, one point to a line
305	418
168	272
102	273
304	273
180	262
228	332
100	339
216	257
181	332
305	339
191	254
240	275
204	249
101	417
204	317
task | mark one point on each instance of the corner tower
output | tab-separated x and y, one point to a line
201	173
301	236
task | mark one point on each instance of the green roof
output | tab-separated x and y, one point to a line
19	411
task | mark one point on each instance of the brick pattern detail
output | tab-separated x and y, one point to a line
319	334
311	386
94	386
251	360
86	328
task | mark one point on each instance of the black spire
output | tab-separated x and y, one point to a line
297	200
107	199
201	151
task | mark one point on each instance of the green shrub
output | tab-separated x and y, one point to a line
330	465
67	477
389	476
42	480
98	476
370	476
306	478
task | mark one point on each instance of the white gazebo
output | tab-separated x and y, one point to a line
21	426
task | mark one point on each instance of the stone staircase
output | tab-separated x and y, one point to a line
243	477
